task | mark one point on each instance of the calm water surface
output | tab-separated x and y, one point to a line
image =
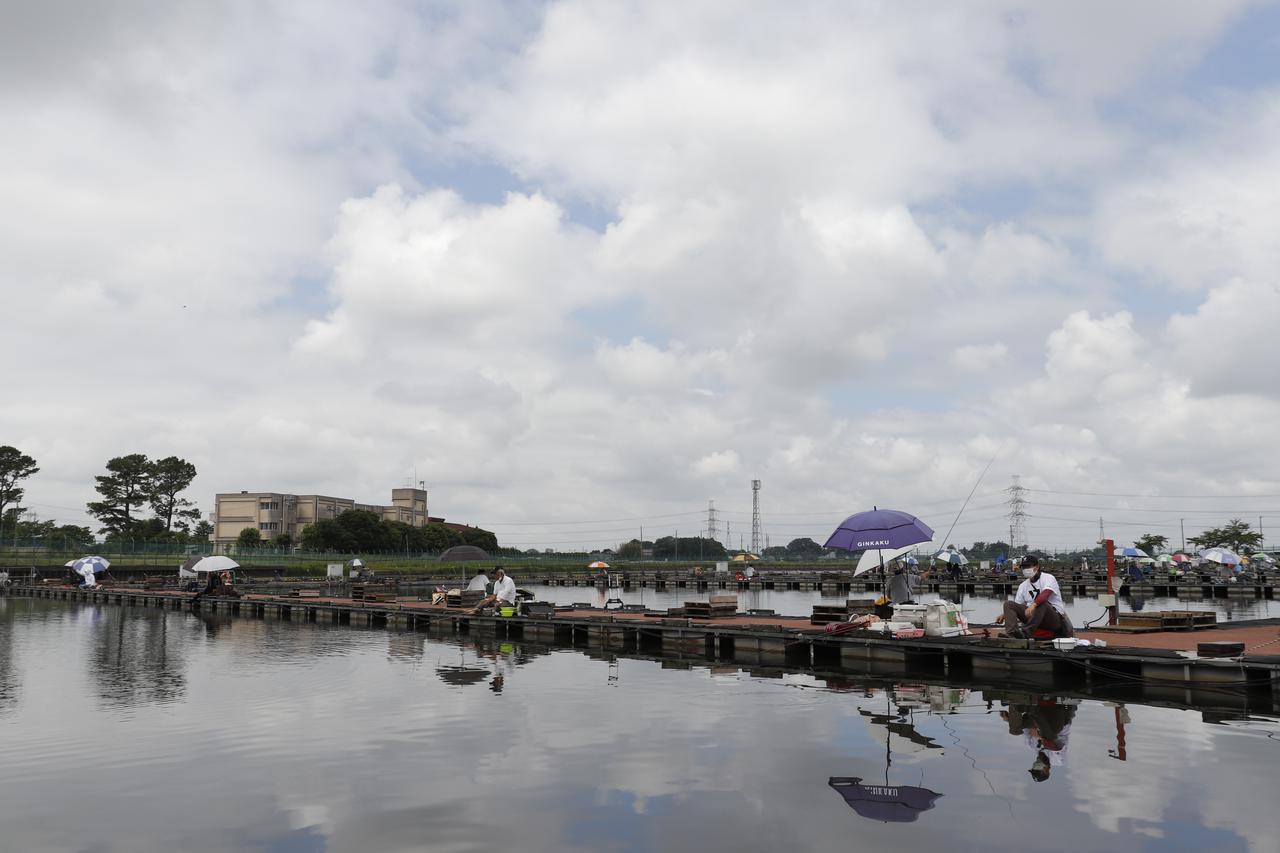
141	730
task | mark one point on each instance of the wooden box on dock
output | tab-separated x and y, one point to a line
717	605
466	598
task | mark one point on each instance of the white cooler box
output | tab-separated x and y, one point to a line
940	619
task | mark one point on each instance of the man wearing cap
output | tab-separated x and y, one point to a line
504	592
1036	611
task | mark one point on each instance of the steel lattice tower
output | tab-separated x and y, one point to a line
711	520
1017	504
755	517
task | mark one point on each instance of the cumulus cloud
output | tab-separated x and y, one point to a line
573	261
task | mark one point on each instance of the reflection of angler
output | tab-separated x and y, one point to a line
1046	726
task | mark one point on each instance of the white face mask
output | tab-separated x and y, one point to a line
1028	573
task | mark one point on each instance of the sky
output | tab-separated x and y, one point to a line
583	268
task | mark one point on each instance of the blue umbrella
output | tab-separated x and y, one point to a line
90	565
880	530
955	558
911	561
1132	552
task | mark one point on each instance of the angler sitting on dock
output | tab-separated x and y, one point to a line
1036	611
479	583
219	586
504	592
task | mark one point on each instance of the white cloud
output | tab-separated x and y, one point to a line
296	246
979	358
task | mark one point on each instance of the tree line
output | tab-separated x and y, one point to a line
359	531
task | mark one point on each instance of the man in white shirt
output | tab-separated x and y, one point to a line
504	592
479	583
1036	611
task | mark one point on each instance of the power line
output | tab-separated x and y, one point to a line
1153	497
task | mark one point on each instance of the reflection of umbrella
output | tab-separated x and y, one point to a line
462	675
888	803
598	564
951	557
1221	555
1132	552
87	566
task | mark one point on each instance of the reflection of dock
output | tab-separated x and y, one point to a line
1151	662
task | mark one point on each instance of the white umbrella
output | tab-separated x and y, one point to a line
871	559
1221	555
200	565
955	558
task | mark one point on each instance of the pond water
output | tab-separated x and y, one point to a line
126	729
980	609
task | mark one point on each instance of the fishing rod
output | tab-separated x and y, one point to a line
977	483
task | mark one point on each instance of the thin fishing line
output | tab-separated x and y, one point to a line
947	538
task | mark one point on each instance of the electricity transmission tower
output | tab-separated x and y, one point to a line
1017	504
755	517
711	520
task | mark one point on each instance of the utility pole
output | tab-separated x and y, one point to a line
711	519
1182	525
1101	534
755	517
1262	539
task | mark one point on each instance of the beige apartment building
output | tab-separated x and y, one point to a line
276	513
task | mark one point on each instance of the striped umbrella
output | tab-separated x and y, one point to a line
87	566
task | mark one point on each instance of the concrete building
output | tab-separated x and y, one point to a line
277	513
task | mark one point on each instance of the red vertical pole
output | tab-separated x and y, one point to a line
1120	749
1111	575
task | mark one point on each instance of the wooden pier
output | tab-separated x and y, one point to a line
1157	665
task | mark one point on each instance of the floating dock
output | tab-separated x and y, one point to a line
1160	666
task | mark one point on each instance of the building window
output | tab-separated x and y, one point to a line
268	504
270	525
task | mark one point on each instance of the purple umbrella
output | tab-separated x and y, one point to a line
881	529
